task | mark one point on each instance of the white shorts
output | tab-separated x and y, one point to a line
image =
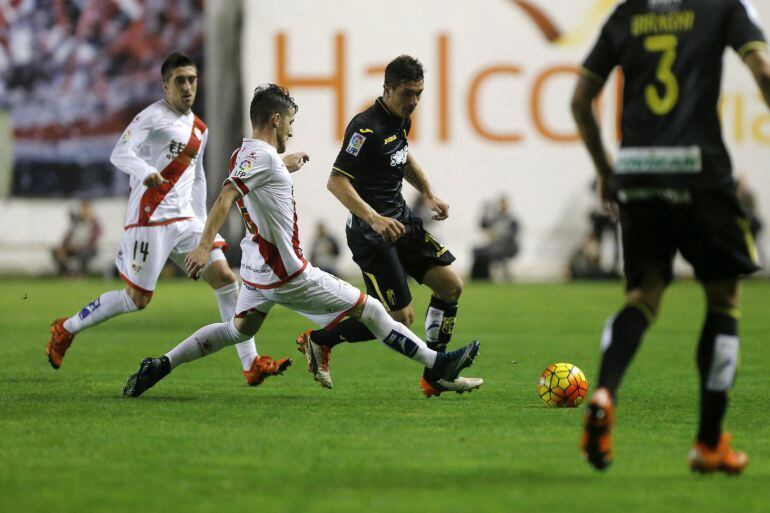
316	295
144	250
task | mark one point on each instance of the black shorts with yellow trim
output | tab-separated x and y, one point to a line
386	266
709	227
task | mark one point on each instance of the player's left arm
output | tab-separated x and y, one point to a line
199	184
414	174
295	161
196	259
587	89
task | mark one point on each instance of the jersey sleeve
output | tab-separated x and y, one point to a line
125	155
199	185
355	146
603	57
250	171
743	30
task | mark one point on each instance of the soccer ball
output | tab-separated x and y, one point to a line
562	385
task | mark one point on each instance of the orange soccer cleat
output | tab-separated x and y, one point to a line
264	366
60	342
596	442
721	458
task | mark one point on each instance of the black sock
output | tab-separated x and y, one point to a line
713	403
621	339
349	330
439	323
439	326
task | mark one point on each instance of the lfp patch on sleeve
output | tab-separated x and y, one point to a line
355	144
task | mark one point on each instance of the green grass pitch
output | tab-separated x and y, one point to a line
204	441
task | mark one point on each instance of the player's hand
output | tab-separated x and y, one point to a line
440	208
606	189
153	180
195	261
389	228
295	161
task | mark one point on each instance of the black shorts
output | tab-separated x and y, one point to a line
385	266
709	228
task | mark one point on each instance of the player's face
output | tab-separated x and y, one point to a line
181	88
403	98
284	130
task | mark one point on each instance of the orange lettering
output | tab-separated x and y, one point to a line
537	93
335	81
473	100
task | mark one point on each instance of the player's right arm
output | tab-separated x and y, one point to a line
388	228
196	259
600	62
124	156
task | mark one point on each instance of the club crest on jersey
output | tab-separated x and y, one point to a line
399	157
355	144
136	266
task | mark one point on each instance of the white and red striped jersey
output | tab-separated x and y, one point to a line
162	140
271	252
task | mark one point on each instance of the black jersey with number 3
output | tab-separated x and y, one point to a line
670	52
373	156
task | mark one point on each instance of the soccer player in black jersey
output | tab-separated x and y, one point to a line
388	242
673	184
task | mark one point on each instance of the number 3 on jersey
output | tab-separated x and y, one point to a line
665	44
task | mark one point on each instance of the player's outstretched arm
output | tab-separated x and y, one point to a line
295	161
196	259
586	91
416	177
339	185
758	61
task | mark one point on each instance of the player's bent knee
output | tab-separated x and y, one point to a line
140	299
404	316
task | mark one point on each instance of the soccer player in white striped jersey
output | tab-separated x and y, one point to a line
162	152
273	268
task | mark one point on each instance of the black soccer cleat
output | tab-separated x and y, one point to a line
449	365
151	370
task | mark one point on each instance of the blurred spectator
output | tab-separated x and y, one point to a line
501	229
603	225
325	250
585	262
79	245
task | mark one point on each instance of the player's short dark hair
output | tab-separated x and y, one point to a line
174	61
269	99
403	69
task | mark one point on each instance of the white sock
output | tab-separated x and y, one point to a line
209	339
227	298
106	306
395	335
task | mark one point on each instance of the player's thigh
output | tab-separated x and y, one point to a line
252	307
385	277
420	251
715	237
143	253
186	238
649	243
318	296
